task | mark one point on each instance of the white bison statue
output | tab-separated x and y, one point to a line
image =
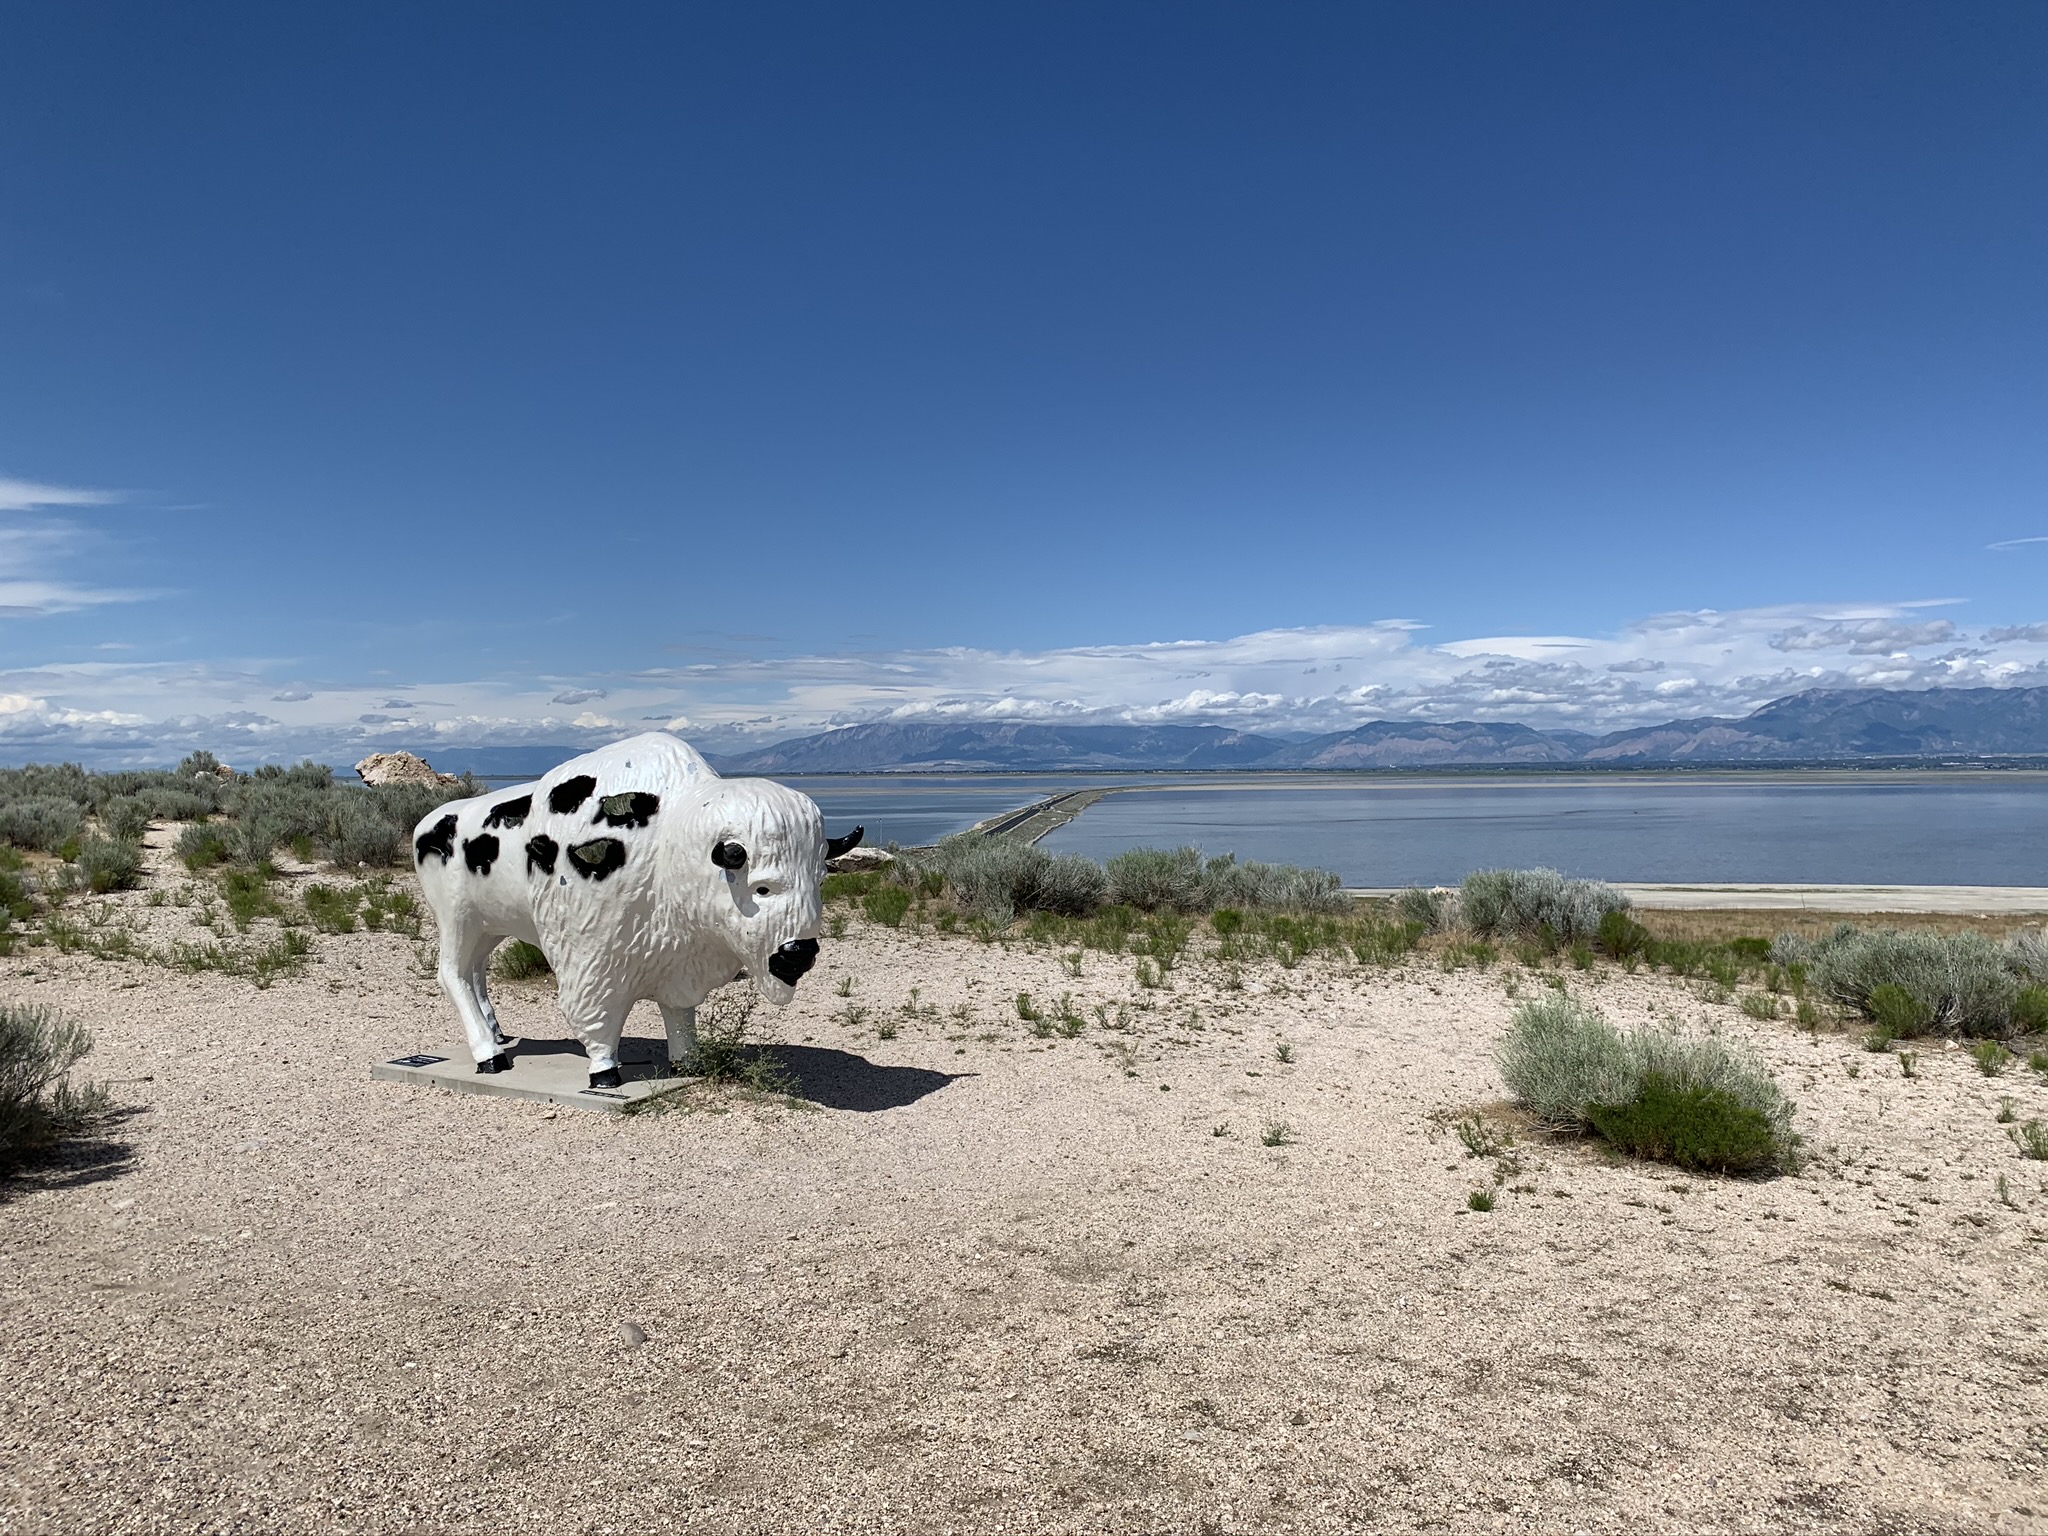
640	873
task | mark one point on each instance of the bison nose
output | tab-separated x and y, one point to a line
794	958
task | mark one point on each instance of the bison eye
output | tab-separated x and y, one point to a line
760	890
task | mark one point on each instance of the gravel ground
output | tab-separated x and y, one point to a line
972	1280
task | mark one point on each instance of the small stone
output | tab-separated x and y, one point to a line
632	1335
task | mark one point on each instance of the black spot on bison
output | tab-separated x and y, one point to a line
479	853
439	838
570	794
540	854
597	858
509	813
627	810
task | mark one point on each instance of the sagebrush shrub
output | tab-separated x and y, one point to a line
110	864
521	961
1960	983
205	844
1271	887
1156	879
1693	1100
2026	950
124	818
358	833
39	1103
1560	1056
1538	904
1433	911
43	822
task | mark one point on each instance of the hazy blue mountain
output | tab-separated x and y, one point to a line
1821	724
1409	744
1849	723
1001	745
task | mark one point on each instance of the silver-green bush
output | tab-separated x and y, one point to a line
1560	1055
1157	879
39	1104
1963	983
125	818
1271	887
1536	904
110	864
2026	951
1694	1100
45	822
1435	911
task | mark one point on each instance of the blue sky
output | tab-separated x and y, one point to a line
402	375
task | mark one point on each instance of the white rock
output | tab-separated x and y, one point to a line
400	768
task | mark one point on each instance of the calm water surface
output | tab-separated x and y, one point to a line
1874	829
1918	831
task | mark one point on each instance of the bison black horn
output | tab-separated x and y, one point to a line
728	855
835	846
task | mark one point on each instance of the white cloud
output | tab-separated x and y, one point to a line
34	551
1703	662
2038	538
1866	637
578	695
28	496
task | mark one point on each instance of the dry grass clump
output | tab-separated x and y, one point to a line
1695	1101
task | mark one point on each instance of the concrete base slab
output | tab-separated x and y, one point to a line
550	1071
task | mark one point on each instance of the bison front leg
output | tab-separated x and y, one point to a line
682	1037
597	1013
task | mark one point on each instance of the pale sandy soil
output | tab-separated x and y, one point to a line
985	1282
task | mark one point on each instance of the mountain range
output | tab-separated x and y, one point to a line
1819	725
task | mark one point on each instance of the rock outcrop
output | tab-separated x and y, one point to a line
381	768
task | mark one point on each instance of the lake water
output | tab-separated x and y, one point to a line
1894	829
1875	828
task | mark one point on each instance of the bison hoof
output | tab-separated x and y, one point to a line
498	1063
608	1078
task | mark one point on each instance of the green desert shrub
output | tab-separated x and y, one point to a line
2026	951
205	844
43	822
39	1102
110	864
1271	887
1561	1055
358	833
1538	904
1621	937
1959	983
2030	1011
1896	1012
170	804
1693	1125
125	818
886	904
521	961
1433	911
1691	1100
1158	879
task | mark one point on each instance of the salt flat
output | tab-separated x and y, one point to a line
967	1278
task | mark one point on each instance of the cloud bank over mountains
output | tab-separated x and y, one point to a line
1319	679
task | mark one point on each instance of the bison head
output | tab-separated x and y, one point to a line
761	847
